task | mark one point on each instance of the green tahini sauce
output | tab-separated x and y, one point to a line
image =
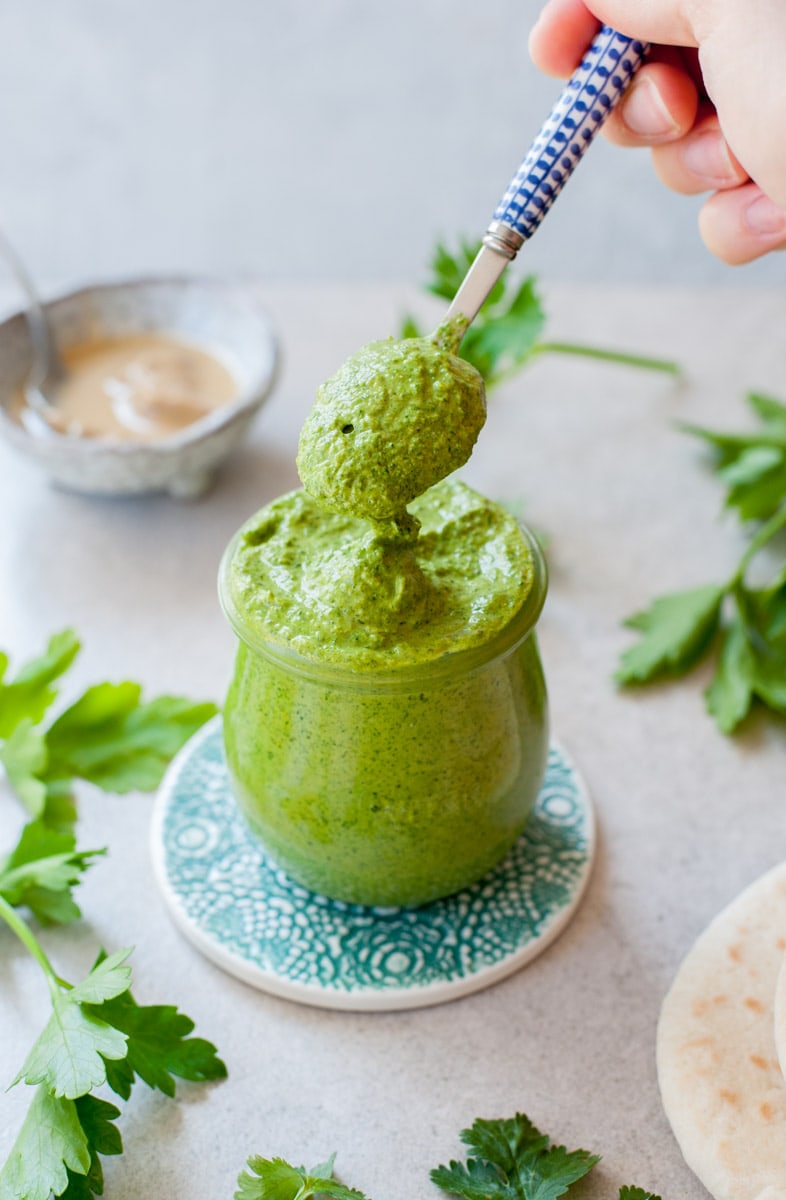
395	419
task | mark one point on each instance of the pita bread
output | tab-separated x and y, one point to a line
721	1082
780	1017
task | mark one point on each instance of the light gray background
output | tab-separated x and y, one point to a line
303	140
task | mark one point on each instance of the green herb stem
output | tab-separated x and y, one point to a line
765	534
615	356
26	936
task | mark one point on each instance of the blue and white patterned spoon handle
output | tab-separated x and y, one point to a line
589	96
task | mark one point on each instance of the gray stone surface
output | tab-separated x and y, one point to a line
687	818
312	139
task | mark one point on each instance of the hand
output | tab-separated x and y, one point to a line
710	102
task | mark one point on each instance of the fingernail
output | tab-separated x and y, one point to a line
707	155
644	112
764	218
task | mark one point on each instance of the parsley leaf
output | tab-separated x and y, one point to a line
50	1142
41	871
118	743
158	1046
68	1056
275	1179
515	1161
675	629
29	695
103	1137
730	693
636	1193
108	736
23	754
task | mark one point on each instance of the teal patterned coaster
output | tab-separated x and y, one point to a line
243	912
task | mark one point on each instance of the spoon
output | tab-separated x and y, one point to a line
591	93
46	369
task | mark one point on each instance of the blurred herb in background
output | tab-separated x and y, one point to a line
505	335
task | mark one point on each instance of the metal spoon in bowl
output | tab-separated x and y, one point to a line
46	369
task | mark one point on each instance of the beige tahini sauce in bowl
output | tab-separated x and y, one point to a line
139	387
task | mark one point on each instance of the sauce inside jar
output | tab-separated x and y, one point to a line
141	387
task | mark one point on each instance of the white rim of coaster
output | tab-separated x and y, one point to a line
244	913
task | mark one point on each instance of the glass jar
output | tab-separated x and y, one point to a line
388	787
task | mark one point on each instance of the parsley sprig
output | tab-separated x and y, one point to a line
743	626
505	335
97	1033
89	1040
510	1160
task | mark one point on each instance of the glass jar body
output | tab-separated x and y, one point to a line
394	790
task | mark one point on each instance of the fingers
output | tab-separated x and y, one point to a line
660	105
665	21
699	162
742	224
560	37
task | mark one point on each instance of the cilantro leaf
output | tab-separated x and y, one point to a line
68	1056
50	1143
103	1137
515	1161
41	871
275	1179
158	1046
636	1193
111	739
677	628
29	695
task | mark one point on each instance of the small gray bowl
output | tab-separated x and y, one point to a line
225	316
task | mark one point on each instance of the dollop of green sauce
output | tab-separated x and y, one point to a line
395	419
338	589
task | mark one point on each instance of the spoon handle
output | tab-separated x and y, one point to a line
590	94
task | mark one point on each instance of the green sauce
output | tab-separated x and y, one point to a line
336	590
386	726
395	419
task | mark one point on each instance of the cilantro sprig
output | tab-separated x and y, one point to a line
97	1034
510	1160
506	334
741	625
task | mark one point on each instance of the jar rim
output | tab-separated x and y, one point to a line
350	674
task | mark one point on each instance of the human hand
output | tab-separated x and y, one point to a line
710	102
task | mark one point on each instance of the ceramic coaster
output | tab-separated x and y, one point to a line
243	912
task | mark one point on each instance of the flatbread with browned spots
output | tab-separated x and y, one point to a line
720	1078
780	1017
